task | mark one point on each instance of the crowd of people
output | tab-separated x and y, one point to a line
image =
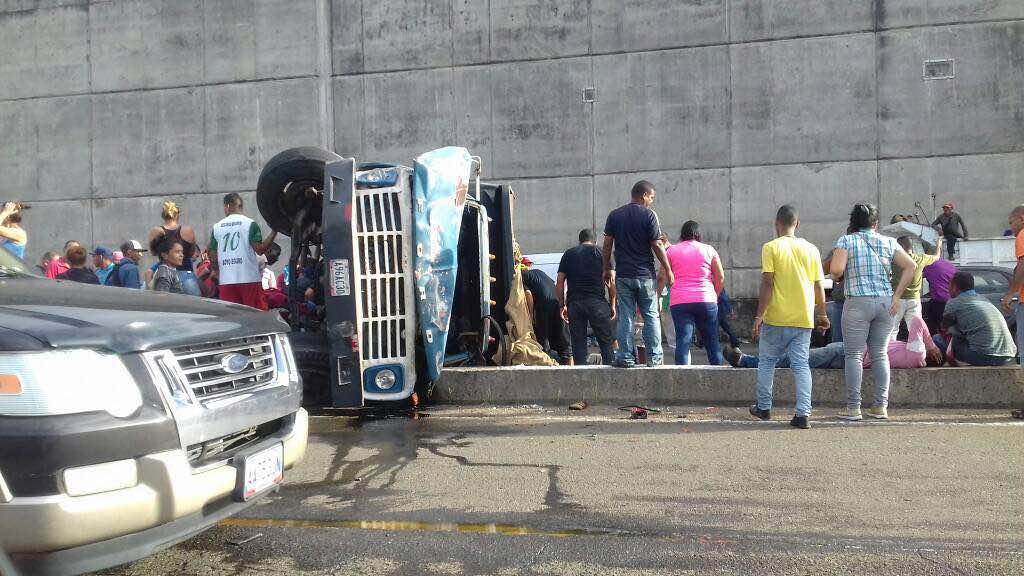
233	267
877	284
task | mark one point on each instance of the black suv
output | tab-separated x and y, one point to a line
131	420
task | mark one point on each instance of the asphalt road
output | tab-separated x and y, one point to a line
691	491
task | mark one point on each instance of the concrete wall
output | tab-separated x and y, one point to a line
730	107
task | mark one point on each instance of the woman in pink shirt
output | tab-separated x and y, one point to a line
693	298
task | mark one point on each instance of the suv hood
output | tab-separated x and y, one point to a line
38	314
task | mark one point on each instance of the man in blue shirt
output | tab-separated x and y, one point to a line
103	262
633	233
126	272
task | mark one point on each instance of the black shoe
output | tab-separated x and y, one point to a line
800	422
623	364
732	355
758	413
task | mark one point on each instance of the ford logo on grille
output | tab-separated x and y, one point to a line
234	363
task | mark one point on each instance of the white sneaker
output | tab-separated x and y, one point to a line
851	414
878	413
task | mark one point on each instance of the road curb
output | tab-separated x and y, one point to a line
974	387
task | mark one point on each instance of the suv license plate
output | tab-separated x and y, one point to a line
262	470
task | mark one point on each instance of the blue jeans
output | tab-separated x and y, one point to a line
189	283
965	355
1020	331
776	343
834	310
633	293
703	315
828	358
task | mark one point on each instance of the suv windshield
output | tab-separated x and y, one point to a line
11	265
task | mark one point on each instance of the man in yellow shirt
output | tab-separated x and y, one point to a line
910	303
791	290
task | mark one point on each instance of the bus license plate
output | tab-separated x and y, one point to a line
262	470
341	284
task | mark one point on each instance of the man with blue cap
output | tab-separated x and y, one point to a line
103	262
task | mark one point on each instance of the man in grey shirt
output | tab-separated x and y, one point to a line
952	228
977	328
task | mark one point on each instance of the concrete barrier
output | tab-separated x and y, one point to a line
928	387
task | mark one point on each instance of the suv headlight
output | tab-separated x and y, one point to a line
66	382
287	370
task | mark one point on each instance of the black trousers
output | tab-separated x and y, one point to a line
932	312
551	332
951	246
597	313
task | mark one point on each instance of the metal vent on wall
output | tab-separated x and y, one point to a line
939	69
589	95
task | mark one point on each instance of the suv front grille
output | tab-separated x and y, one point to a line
205	372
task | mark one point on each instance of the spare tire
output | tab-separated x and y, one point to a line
284	180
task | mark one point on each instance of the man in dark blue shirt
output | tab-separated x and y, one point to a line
126	272
632	232
584	302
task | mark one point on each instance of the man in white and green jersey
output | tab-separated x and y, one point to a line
234	246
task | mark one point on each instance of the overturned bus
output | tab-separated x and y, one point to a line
394	271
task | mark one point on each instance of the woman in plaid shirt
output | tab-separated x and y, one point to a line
865	258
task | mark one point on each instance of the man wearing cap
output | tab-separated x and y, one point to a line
126	272
103	262
952	228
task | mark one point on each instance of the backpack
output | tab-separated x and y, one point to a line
114	278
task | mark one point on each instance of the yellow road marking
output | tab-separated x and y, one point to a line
393	526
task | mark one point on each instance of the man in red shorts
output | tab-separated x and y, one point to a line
234	246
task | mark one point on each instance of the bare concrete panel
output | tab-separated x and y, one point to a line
529	29
550	212
18	128
822	193
50	224
146	44
471	90
701	195
471	32
542	127
45	52
398	35
252	39
407	113
347	36
148	143
893	13
744	282
767	19
45	155
983	188
118	219
348	116
804	100
980	110
247	124
626	25
23	5
658	110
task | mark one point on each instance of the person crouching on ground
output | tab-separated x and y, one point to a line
977	332
865	259
171	254
791	291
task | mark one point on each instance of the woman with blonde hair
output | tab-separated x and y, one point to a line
184	235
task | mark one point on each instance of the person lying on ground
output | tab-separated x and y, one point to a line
917	352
